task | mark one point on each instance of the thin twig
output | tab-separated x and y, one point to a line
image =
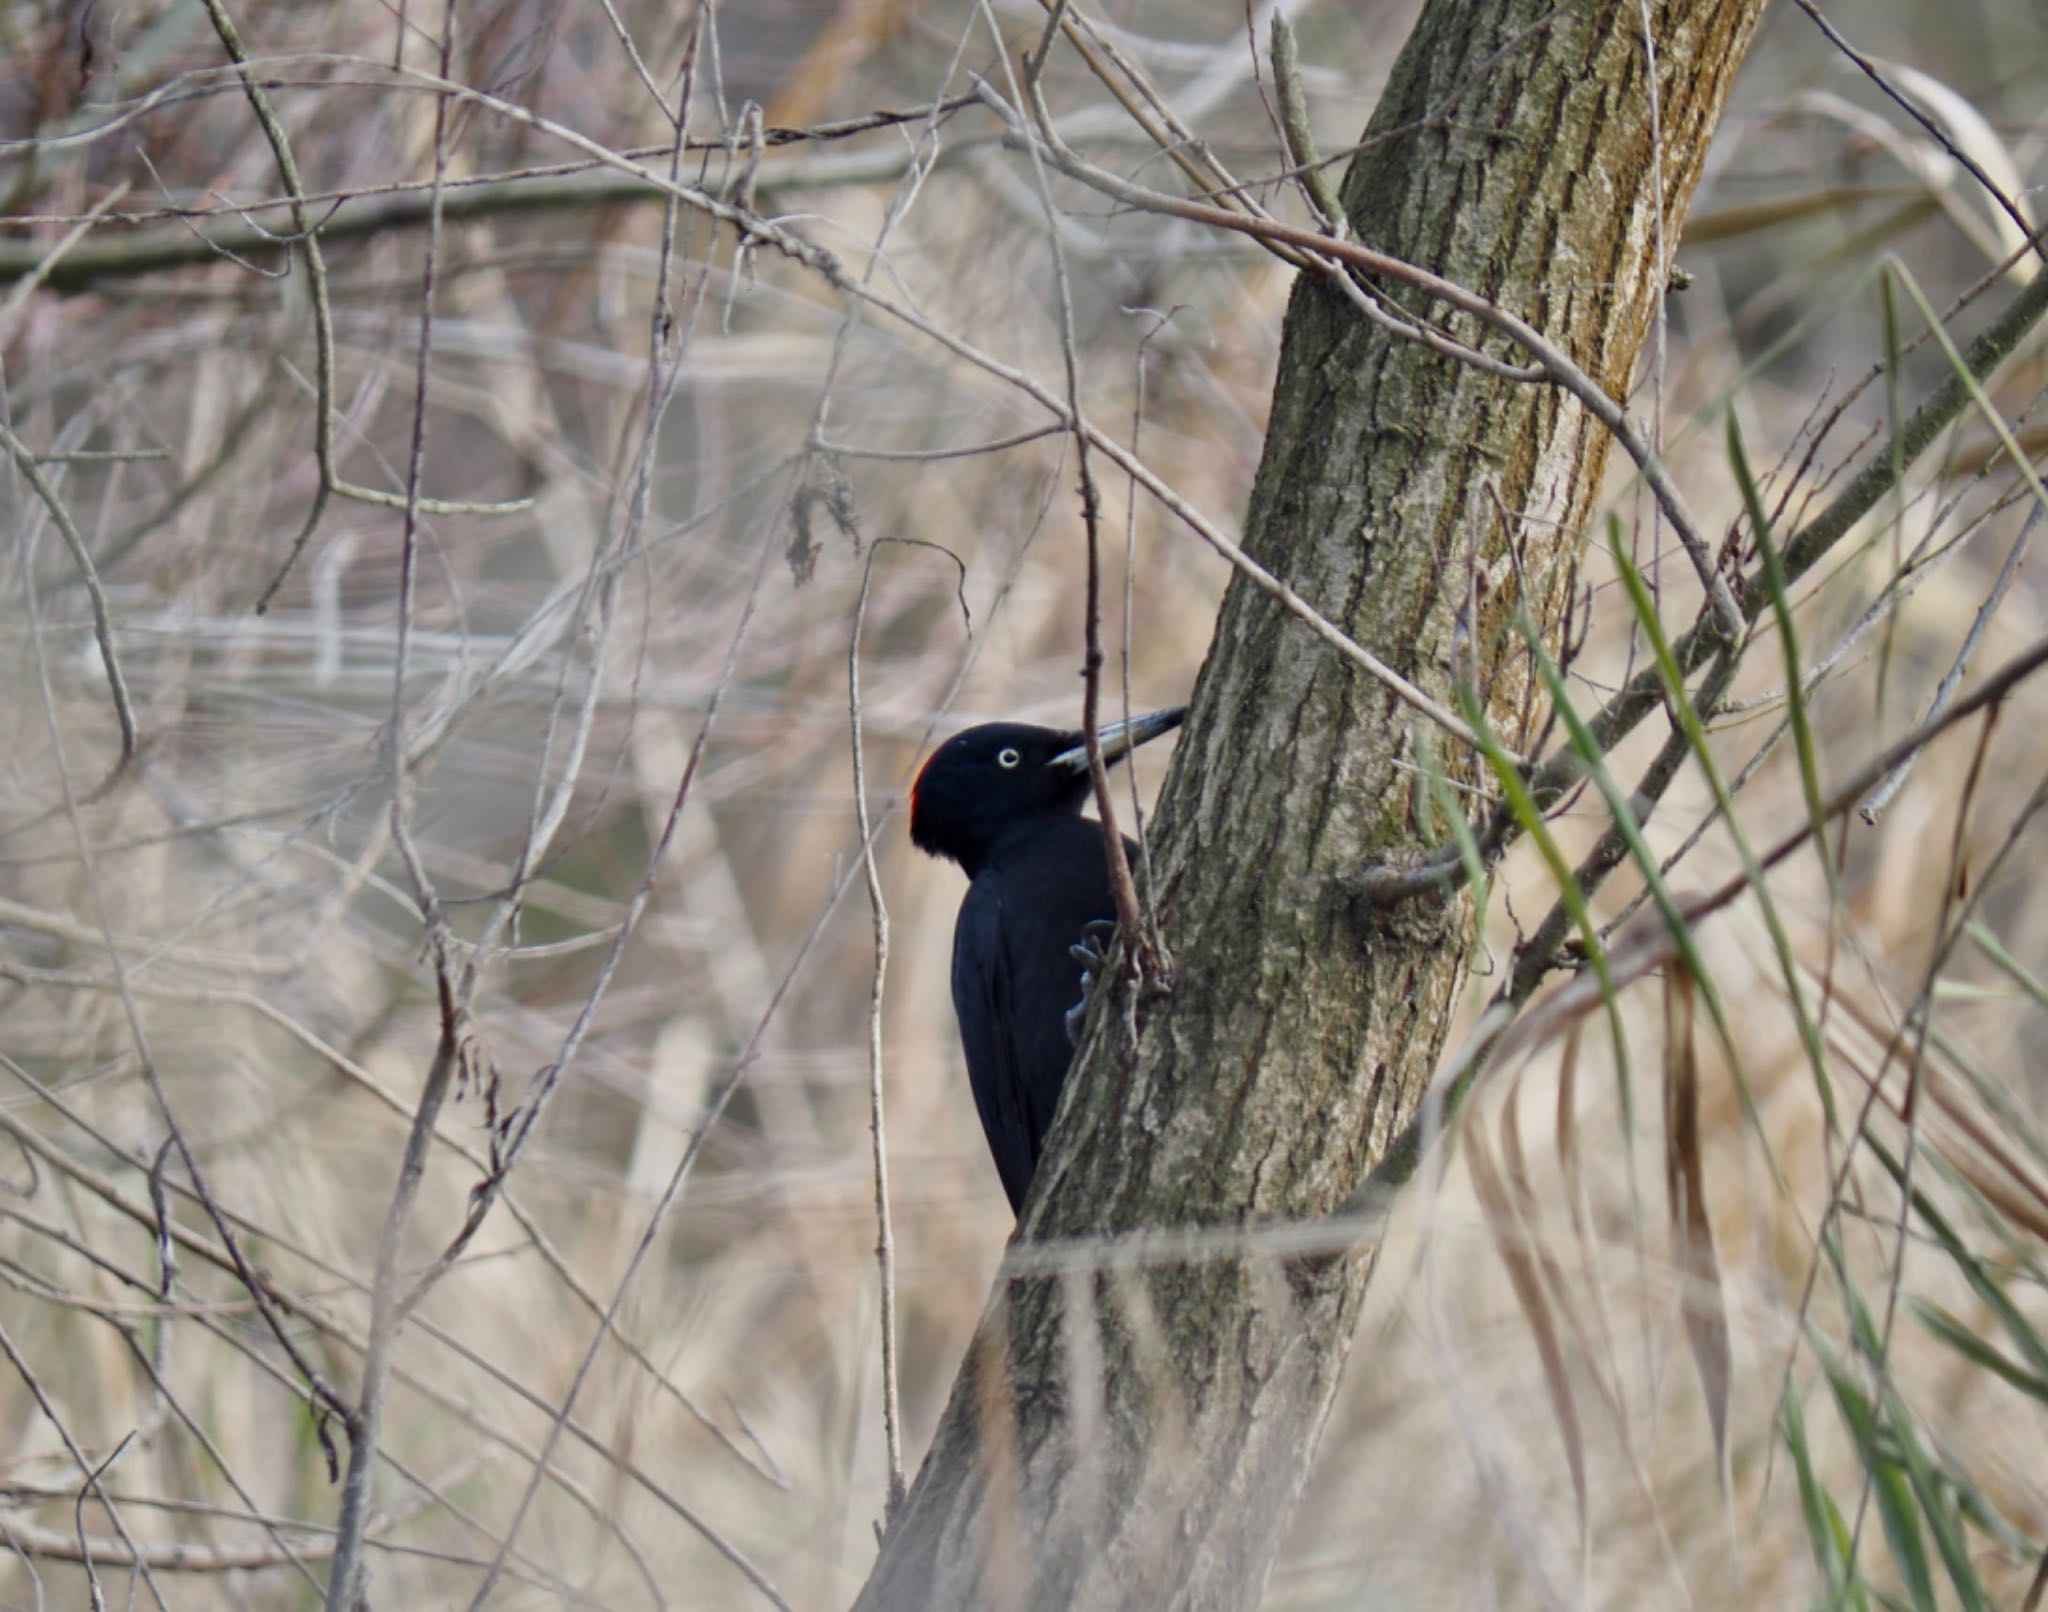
1152	931
306	237
326	1401
1398	1164
1143	960
1813	542
678	1178
367	211
102	619
91	1485
1951	680
885	1237
316	280
316	1317
829	268
345	1583
1906	103
46	262
1555	361
520	1128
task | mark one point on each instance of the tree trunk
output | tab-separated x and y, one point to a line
1137	1436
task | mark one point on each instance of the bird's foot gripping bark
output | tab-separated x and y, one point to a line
1092	953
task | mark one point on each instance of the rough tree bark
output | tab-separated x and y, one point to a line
1138	1438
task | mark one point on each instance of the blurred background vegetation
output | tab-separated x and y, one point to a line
638	564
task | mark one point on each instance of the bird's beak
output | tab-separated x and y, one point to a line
1119	739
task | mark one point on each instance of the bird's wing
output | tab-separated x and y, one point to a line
1059	884
984	1000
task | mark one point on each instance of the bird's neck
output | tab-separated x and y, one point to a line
1020	840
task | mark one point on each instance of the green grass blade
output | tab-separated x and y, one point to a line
1588	750
2022	464
2007	964
1515	789
1825	1530
1696	735
1795	667
1447	808
2022	1332
1889	1486
1974	1349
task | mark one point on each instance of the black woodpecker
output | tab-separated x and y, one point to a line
1004	801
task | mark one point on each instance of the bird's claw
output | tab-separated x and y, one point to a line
1091	951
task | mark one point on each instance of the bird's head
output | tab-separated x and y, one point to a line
990	782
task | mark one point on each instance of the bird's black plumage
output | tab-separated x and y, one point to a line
1004	801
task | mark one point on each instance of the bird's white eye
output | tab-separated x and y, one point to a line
1007	759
